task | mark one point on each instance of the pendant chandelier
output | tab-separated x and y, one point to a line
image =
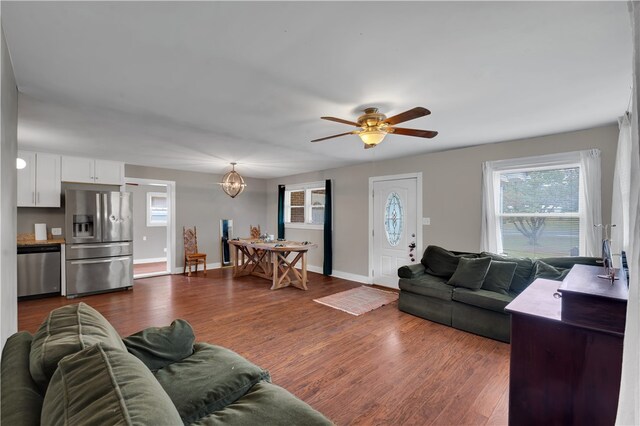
232	183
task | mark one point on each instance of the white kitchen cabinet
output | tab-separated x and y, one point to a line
77	169
39	182
88	170
109	172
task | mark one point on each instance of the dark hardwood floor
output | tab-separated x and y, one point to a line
384	367
148	268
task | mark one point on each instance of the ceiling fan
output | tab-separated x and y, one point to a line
375	126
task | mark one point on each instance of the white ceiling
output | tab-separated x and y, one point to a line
195	86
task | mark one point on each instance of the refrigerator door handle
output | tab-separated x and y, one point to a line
103	245
108	260
99	218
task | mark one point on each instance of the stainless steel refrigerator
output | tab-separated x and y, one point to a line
99	238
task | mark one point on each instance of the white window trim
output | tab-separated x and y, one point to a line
307	187
589	211
149	196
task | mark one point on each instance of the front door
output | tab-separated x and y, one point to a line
394	228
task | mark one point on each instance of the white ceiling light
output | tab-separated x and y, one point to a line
372	137
232	183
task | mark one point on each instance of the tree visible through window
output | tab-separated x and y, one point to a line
539	211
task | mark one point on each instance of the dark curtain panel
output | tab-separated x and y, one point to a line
280	211
327	266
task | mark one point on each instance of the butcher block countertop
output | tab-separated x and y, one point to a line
29	239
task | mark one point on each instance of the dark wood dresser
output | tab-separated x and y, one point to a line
566	353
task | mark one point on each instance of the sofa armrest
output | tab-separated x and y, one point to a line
158	347
411	271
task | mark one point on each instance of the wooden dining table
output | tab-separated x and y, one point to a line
270	260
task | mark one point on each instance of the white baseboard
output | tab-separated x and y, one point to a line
150	260
340	274
210	266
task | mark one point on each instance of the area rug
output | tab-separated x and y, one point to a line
358	301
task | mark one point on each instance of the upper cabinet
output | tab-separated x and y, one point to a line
39	180
109	172
88	170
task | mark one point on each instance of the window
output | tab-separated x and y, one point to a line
156	209
540	207
304	205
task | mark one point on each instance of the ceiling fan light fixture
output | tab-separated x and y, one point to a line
232	183
372	137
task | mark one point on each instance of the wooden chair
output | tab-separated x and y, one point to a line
254	232
191	255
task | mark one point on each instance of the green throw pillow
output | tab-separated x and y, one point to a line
544	270
67	330
101	385
499	276
441	262
521	278
158	347
470	273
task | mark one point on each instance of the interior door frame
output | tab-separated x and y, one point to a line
418	177
171	226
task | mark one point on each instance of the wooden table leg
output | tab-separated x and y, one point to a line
276	269
304	270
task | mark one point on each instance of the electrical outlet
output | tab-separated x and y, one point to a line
144	238
56	231
165	249
426	221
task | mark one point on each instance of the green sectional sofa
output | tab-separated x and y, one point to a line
76	370
469	291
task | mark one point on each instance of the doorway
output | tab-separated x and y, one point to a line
153	226
395	238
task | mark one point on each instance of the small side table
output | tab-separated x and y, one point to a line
566	367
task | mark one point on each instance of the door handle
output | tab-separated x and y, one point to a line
85	246
107	260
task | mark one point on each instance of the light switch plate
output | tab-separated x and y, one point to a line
56	231
426	221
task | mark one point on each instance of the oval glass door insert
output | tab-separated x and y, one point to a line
393	219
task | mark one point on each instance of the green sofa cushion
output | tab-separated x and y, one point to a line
209	380
567	262
499	276
441	262
65	331
427	285
158	347
543	270
482	299
411	271
266	404
101	385
470	273
21	398
522	275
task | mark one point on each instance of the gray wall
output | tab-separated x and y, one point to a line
153	247
8	195
452	194
201	202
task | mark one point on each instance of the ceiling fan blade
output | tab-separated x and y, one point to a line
407	115
414	132
340	120
334	136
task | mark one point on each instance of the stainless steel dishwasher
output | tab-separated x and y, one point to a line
38	270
